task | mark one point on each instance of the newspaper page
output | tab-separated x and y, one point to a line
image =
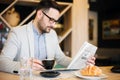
79	61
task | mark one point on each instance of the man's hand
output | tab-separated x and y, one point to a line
91	60
36	64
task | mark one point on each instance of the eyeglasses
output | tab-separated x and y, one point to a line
51	19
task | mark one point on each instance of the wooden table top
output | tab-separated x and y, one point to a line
67	75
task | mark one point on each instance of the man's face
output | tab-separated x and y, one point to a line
48	20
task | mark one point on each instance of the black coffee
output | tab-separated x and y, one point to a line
48	64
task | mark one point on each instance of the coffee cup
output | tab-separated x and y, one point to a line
48	63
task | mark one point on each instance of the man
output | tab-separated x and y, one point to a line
36	39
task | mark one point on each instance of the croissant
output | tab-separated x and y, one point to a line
91	71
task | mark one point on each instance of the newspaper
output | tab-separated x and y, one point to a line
79	61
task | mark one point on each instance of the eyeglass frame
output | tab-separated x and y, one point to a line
50	19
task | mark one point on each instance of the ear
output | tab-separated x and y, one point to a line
39	14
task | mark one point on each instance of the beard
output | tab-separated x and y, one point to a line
44	29
48	28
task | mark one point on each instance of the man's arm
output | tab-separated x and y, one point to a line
8	54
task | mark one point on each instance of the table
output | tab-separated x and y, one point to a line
67	75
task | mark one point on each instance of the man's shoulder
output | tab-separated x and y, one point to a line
19	27
23	27
52	31
52	36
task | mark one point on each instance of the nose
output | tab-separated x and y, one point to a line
52	24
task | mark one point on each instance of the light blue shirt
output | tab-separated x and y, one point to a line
39	45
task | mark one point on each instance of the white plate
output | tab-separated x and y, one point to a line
90	77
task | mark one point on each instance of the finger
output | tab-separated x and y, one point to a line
37	67
36	64
37	61
93	58
89	62
30	61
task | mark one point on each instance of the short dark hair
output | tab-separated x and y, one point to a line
47	4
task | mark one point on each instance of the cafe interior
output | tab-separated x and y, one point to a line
108	52
108	48
103	30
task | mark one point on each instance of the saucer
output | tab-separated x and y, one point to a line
101	77
49	73
115	69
